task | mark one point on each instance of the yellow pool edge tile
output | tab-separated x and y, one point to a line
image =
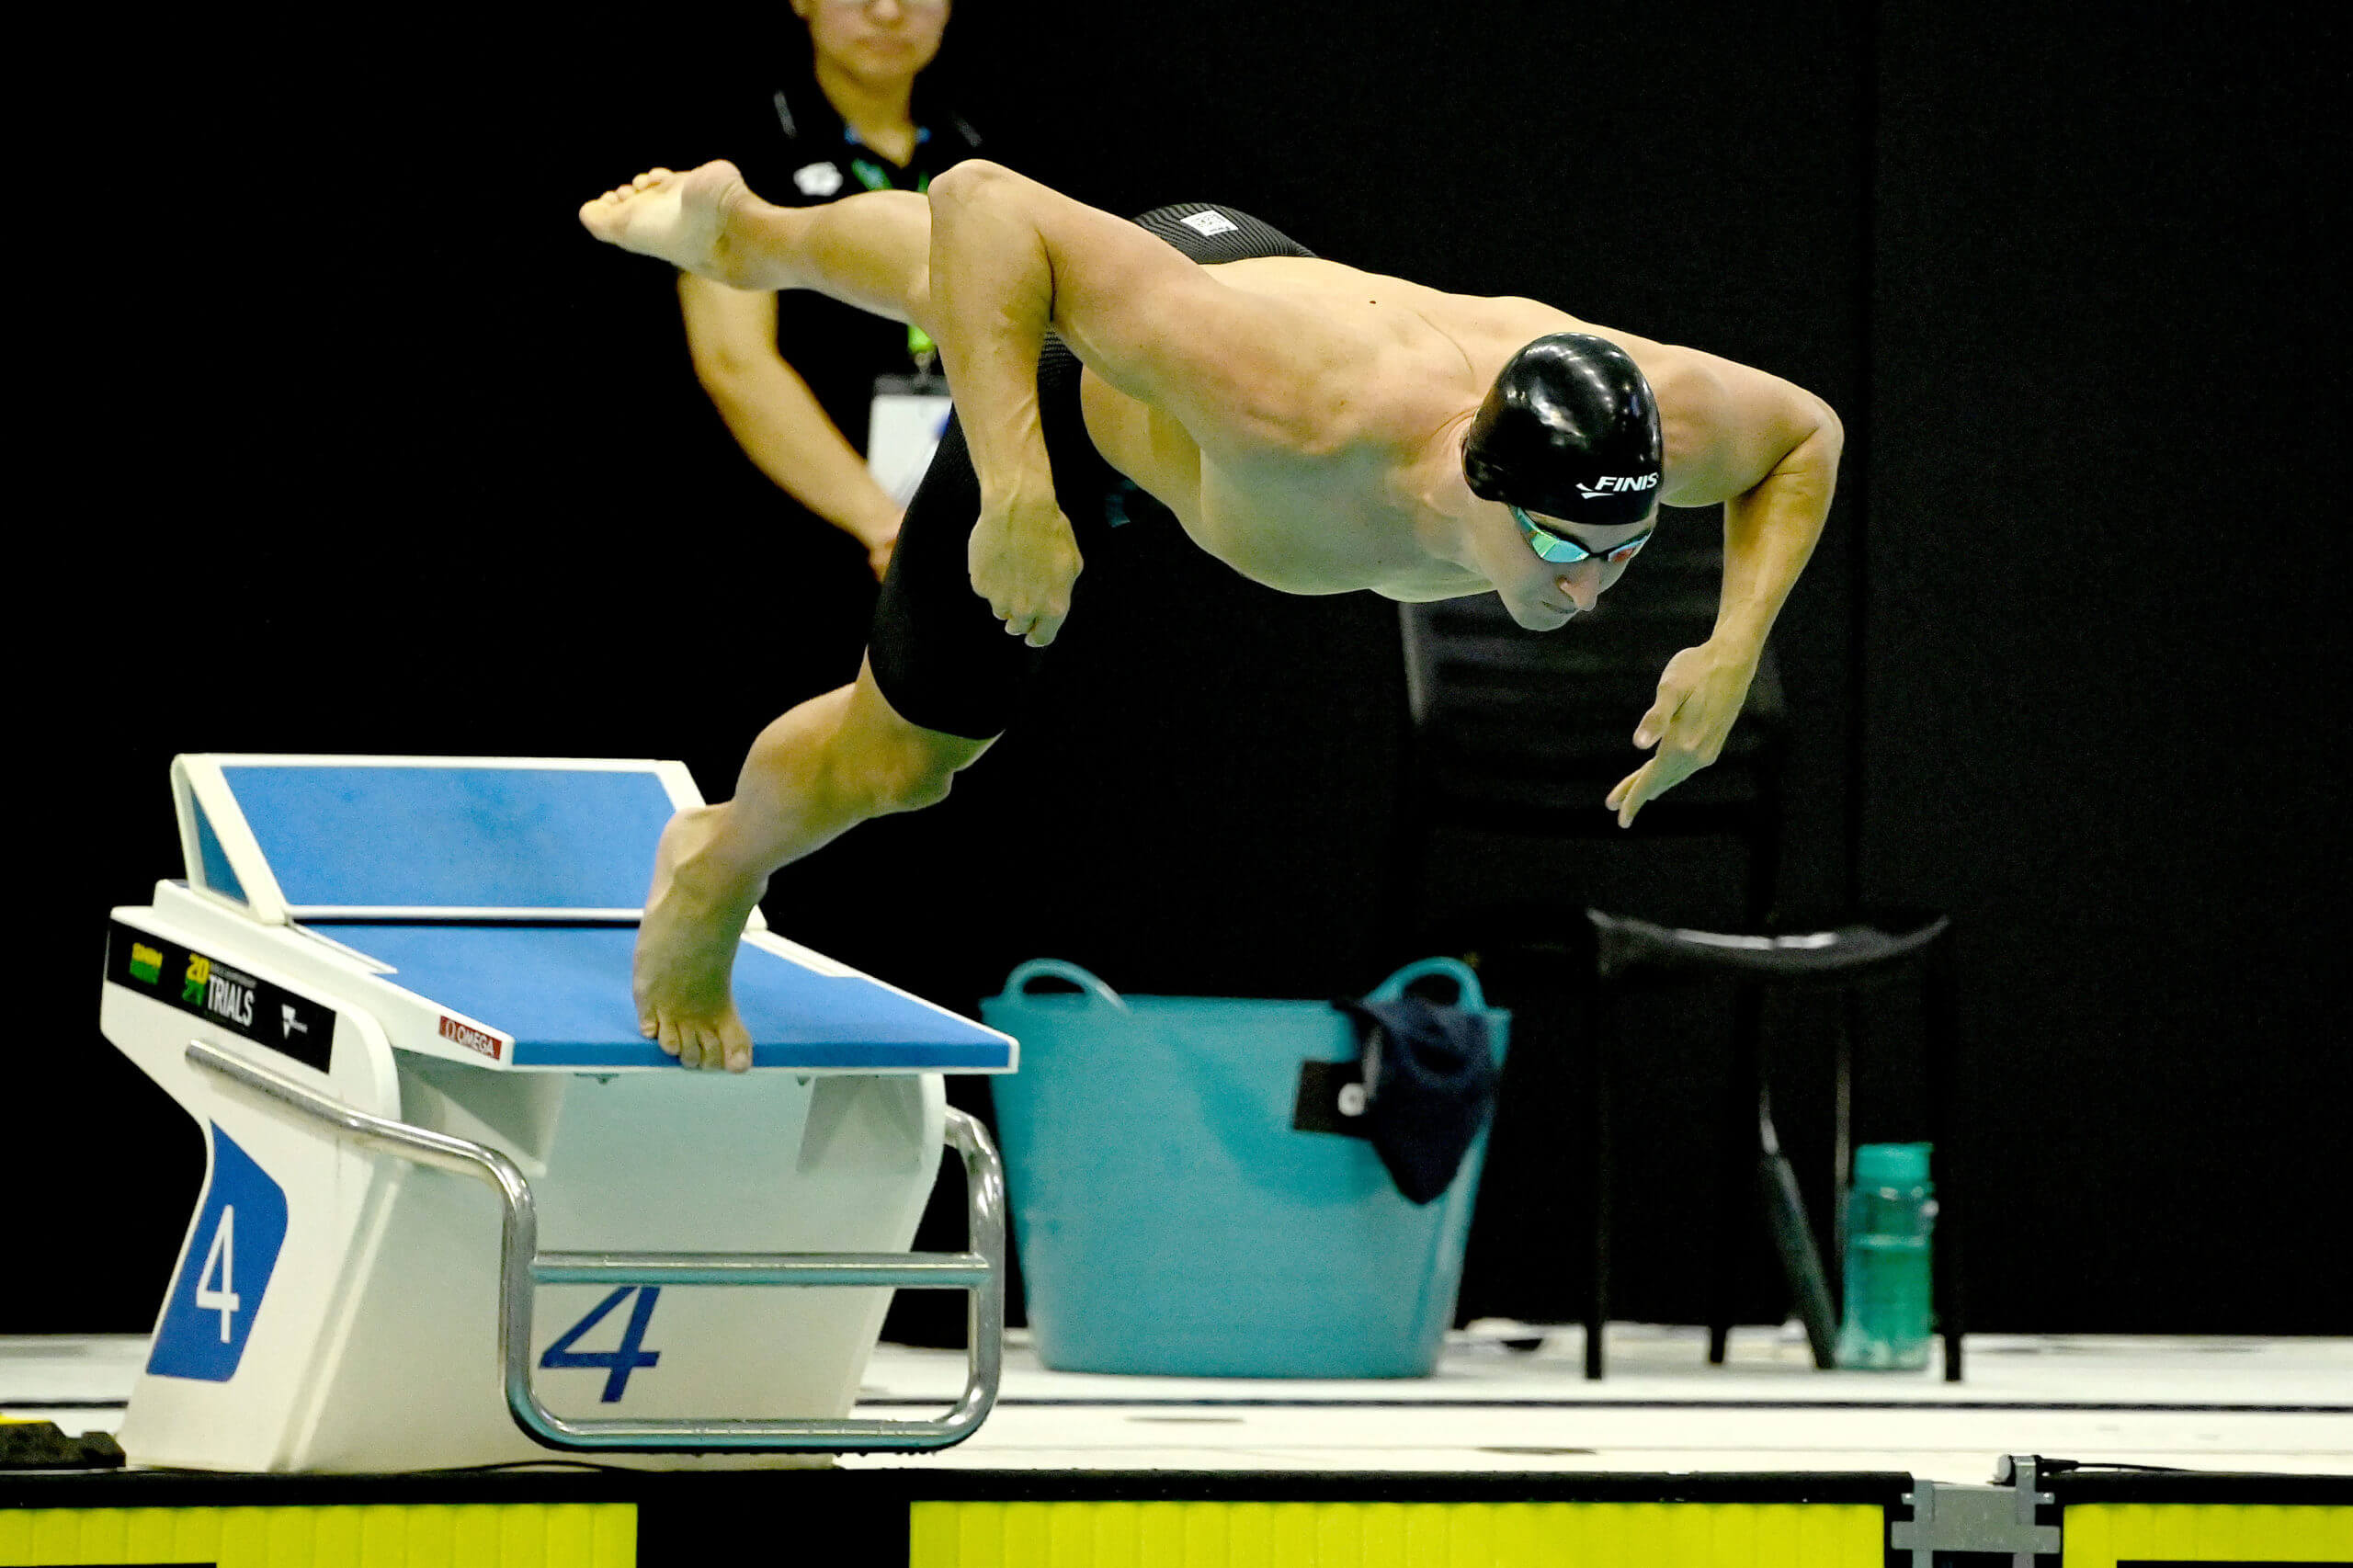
480	1535
1390	1535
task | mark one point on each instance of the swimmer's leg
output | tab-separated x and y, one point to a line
813	774
871	250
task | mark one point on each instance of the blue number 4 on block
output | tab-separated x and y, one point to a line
620	1363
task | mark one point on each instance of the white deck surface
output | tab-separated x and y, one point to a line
2212	1404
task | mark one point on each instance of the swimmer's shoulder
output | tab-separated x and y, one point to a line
1491	328
1321	275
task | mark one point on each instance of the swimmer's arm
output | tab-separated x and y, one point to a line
993	294
1010	259
1770	529
769	408
992	297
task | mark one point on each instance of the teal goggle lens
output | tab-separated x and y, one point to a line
1550	546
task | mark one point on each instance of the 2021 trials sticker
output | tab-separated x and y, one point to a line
202	985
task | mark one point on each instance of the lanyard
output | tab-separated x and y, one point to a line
873	175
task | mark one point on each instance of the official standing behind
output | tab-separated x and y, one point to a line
797	386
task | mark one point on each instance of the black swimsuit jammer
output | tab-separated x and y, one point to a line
942	659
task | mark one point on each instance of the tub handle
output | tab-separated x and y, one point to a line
1018	982
1469	996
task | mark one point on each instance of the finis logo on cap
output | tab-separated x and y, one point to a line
1614	484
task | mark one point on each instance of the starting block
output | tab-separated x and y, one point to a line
458	1210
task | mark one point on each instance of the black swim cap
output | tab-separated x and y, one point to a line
1569	429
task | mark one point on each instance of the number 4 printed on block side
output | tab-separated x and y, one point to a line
618	1363
220	1256
223	1282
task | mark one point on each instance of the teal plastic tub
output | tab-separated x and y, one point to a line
1169	1219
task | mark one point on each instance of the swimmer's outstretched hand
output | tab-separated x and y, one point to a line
1024	559
1699	695
683	969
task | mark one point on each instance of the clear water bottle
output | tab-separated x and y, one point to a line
1891	1211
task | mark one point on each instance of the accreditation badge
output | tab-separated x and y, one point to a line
909	417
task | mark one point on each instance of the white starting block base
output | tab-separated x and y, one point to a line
337	1307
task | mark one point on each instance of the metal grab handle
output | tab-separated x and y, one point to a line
980	1273
911	1270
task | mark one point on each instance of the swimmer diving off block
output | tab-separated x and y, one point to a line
1317	428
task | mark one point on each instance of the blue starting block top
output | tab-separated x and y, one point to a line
564	993
451	871
455	838
408	837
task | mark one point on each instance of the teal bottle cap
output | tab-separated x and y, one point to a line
1891	1165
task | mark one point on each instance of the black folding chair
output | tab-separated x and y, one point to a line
1627	953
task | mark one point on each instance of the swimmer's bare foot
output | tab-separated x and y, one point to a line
685	951
681	218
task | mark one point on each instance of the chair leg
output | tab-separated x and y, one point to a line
1938	998
1738	1168
1842	1145
1599	1018
1794	1238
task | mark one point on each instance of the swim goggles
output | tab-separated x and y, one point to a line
1560	552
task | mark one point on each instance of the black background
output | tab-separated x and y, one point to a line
350	440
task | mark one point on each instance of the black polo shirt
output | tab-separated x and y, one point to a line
795	152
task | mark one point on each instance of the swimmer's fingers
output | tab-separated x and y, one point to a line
1648	782
1035	617
1036	629
1700	694
1024	560
1626	800
1686	675
1661	713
